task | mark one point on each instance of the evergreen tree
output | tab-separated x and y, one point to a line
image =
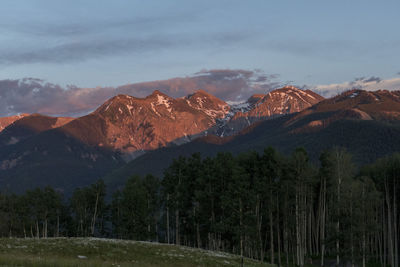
134	207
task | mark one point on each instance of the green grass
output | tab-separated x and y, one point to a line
108	252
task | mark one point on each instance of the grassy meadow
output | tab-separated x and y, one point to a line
108	252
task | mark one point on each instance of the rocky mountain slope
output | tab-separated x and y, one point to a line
130	124
66	152
363	122
282	101
63	152
29	125
285	100
381	105
5	121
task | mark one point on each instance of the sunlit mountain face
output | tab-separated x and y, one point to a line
127	128
129	124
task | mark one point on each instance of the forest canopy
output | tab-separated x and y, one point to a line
266	206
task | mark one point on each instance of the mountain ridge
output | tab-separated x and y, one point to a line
130	124
124	128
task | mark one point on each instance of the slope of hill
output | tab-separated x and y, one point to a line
55	159
36	152
129	124
28	126
286	100
5	121
366	139
379	105
109	252
65	153
282	101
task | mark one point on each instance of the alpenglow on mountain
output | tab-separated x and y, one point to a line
38	150
128	124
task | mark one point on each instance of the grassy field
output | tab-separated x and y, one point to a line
108	252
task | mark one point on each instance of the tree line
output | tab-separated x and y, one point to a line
281	209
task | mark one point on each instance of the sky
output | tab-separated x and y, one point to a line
93	48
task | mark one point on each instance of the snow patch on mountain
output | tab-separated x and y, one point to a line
353	95
129	107
153	108
161	100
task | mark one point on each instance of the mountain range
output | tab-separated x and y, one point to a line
128	135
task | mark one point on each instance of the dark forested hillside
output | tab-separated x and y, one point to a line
367	140
55	159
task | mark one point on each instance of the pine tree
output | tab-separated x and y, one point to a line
134	209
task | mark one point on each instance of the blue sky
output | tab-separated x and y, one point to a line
101	43
111	43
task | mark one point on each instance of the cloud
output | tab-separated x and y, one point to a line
83	50
31	95
94	26
227	84
89	48
372	79
69	42
37	96
370	84
364	80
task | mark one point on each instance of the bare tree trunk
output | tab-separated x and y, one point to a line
364	228
384	227
337	244
298	250
198	236
197	226
37	229
168	219
149	235
363	248
271	229
58	226
45	228
241	231
177	237
285	230
396	251
338	212
323	218
304	215
259	226
310	247
351	230
155	223
379	236
278	231
95	213
214	234
389	221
